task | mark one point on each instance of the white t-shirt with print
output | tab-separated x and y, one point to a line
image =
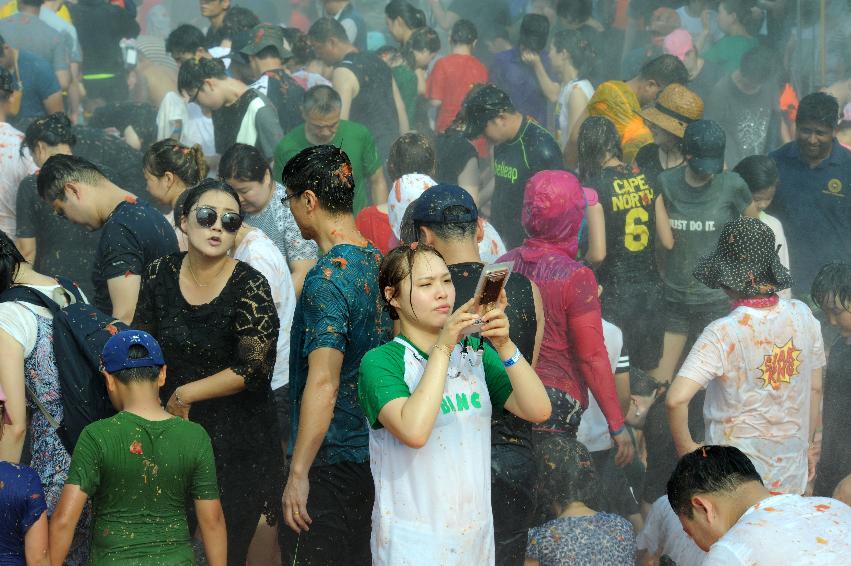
663	535
593	428
756	366
787	529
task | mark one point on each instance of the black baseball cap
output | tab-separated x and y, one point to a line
481	105
704	141
432	206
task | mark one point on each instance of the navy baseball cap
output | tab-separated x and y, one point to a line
115	356
705	141
432	206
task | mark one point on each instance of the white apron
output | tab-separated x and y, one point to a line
433	504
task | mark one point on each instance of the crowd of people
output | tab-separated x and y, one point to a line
253	296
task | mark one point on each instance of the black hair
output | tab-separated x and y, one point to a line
581	51
411	153
53	129
463	33
269	52
141	116
453	231
422	39
570	477
243	162
10	261
321	99
574	11
33	3
597	137
413	17
534	32
818	107
709	469
395	268
742	9
408	233
758	171
299	46
326	171
185	39
193	195
139	374
60	170
194	72
664	70
641	384
833	284
7	83
168	155
482	104
327	28
759	65
238	20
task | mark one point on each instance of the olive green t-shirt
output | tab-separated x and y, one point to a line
140	475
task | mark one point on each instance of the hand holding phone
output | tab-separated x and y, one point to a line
491	283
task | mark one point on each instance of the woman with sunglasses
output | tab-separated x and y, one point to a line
216	321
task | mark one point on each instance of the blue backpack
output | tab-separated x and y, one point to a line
79	334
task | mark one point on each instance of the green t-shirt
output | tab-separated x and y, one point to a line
729	50
139	475
382	378
406	82
353	138
697	216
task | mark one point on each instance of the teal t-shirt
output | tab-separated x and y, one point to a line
406	82
353	138
382	379
139	475
729	50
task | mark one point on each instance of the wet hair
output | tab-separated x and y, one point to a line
741	9
709	469
452	231
238	20
581	51
321	99
759	65
194	72
570	477
185	39
325	29
139	374
534	32
408	233
168	155
299	46
422	39
664	70
395	268
463	33
574	11
193	195
411	153
326	171
818	107
59	170
140	116
833	283
389	53
482	104
10	261
52	130
597	137
641	384
7	83
413	17
243	162
758	171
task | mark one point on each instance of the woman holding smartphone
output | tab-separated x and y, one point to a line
429	397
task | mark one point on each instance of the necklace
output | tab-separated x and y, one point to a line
194	278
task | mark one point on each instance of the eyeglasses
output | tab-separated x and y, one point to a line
194	97
206	218
286	200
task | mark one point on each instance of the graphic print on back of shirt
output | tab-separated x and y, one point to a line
780	366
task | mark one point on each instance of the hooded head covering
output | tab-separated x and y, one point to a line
406	189
553	213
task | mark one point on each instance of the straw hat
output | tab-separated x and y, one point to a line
675	109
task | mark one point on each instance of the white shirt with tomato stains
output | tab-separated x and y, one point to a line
787	529
756	366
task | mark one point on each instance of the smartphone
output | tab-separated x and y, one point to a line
491	283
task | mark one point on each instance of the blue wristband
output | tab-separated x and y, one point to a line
618	431
513	359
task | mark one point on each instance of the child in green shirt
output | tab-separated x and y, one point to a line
140	467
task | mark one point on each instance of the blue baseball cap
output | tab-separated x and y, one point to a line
115	356
433	206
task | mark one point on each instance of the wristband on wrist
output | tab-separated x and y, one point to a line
618	431
513	359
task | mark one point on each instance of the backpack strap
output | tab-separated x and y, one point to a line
24	294
71	287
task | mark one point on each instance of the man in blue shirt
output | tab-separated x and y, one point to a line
41	91
337	320
813	199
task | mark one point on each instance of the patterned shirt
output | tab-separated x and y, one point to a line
277	222
598	539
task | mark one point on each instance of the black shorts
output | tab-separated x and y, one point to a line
618	495
691	320
638	311
513	486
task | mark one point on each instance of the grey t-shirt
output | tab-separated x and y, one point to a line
277	222
697	216
23	31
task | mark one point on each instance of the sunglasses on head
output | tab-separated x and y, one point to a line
206	218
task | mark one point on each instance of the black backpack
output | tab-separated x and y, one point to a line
80	332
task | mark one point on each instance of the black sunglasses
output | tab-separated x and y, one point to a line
286	200
206	218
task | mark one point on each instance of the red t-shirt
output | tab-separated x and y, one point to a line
450	80
375	227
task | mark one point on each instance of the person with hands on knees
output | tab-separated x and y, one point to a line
428	396
139	467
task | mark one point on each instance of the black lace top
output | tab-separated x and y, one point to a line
237	330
